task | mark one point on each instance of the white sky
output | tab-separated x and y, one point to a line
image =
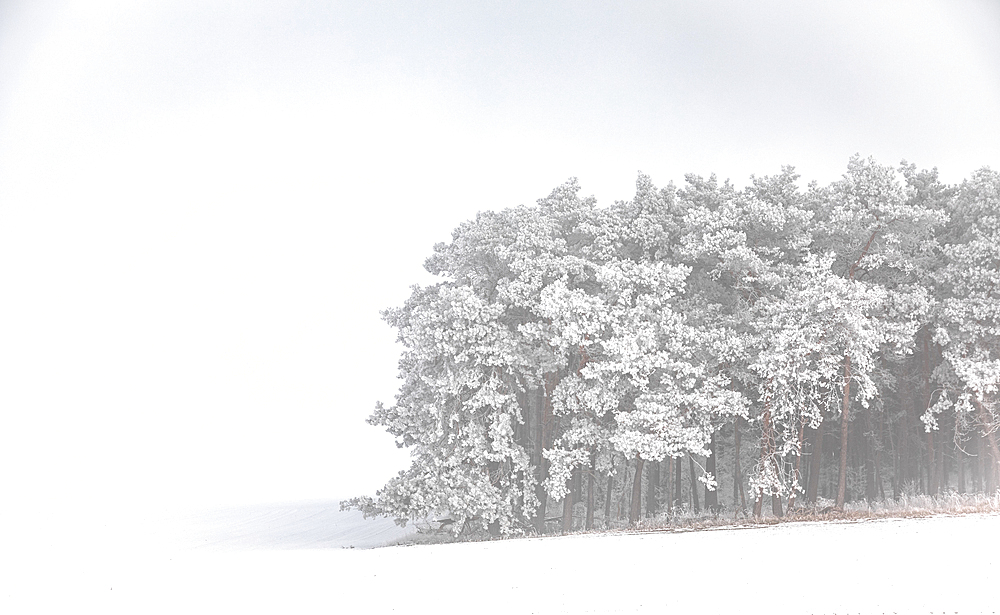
204	205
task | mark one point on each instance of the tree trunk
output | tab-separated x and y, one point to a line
694	486
898	446
678	484
869	458
652	487
960	462
624	503
897	469
941	478
768	457
844	433
776	505
607	500
711	495
522	435
931	467
880	443
925	363
798	464
589	525
743	498
536	405
845	410
977	465
737	478
635	510
567	516
776	496
904	473
815	464
670	485
576	484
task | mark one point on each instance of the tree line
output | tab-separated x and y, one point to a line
774	343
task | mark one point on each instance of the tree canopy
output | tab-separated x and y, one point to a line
566	340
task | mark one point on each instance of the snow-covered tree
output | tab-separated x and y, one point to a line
482	393
641	362
457	411
824	335
969	315
744	248
566	340
872	229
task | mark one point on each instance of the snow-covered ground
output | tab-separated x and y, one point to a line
289	560
300	525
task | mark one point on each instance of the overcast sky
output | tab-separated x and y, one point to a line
204	205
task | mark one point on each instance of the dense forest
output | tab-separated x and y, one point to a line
703	348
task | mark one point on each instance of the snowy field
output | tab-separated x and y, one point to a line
302	525
292	559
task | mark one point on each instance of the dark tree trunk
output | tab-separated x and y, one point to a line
567	516
536	406
880	443
806	457
815	464
522	435
798	463
897	451
576	484
925	363
776	505
846	407
767	457
711	495
844	433
941	478
776	496
902	453
678	484
694	486
635	510
624	502
589	523
670	485
590	496
855	455
652	487
871	494
977	463
960	462
607	500
542	496
542	399
739	498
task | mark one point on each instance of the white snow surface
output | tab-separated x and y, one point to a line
301	525
287	560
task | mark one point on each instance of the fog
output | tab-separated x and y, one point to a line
204	206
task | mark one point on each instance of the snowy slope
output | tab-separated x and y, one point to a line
917	565
302	525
